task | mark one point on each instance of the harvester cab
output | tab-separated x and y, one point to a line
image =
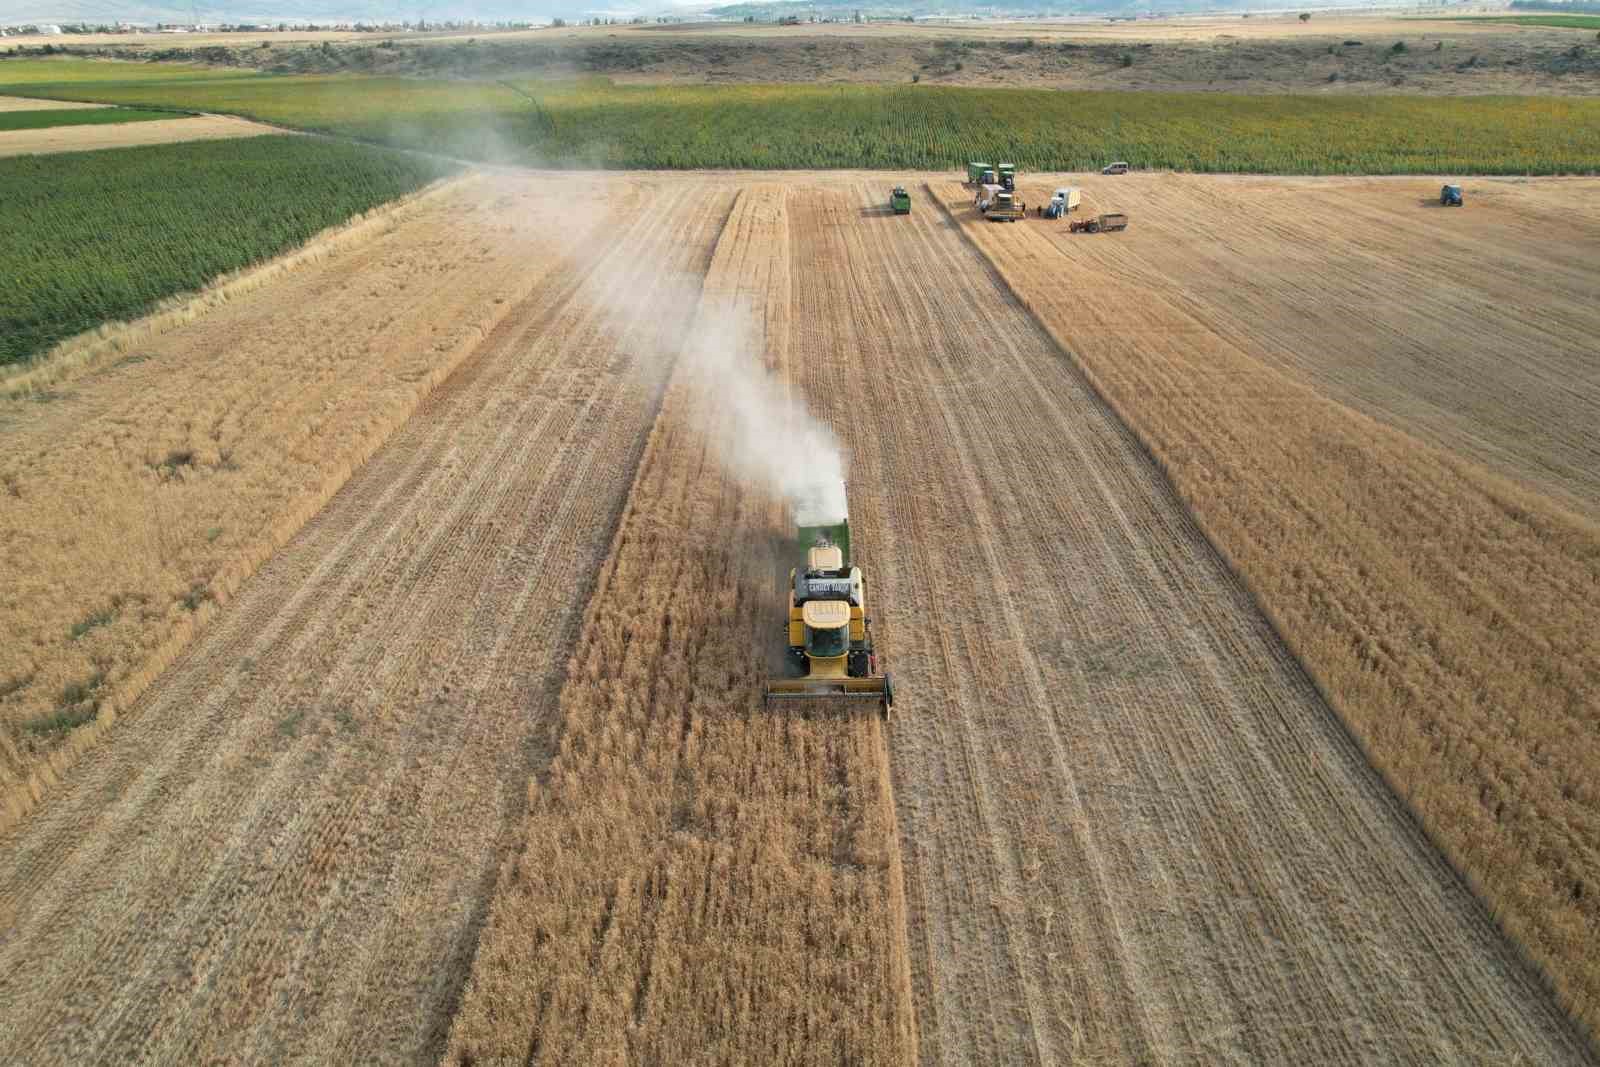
1008	176
829	636
976	171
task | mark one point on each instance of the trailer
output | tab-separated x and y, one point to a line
1108	223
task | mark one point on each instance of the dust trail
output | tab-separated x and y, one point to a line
761	431
765	435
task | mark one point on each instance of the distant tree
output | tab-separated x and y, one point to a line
1399	47
558	23
1305	16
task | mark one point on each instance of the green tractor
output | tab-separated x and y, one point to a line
900	201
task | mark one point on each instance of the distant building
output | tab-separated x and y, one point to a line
50	31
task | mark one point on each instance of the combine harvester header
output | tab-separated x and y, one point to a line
830	650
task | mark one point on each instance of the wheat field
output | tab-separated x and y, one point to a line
474	766
1409	503
144	484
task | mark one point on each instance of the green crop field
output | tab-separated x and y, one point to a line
593	123
94	236
1565	22
96	116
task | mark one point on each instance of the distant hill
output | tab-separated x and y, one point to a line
272	12
269	12
773	10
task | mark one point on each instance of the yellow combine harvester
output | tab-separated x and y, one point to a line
829	635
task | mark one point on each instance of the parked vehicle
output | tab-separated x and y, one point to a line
1114	168
1450	196
1063	203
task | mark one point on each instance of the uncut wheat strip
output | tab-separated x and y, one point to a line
673	477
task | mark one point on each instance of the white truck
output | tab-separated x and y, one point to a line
1063	203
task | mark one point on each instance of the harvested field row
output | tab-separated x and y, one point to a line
287	852
1448	614
84	138
1474	329
701	881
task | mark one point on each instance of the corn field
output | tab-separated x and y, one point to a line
98	236
595	123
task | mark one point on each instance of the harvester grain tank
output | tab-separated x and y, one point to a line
829	635
1005	207
900	201
1450	196
1007	173
975	173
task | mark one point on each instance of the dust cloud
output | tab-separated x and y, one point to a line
760	430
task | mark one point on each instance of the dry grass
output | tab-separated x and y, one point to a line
1447	613
127	134
702	881
138	494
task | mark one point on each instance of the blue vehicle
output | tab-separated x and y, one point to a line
1450	196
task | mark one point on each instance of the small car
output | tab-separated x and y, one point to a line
1114	168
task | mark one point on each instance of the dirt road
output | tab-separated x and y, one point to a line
1132	831
127	134
25	103
286	853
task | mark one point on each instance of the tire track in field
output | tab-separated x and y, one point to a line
1132	830
287	854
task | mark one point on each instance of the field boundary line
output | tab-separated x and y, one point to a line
81	354
1540	974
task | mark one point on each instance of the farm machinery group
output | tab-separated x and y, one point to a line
995	197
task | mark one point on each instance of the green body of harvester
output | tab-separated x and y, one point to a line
900	201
